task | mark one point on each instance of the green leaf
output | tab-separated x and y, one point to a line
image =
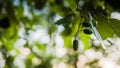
67	41
67	31
60	8
115	24
70	32
104	27
66	21
85	39
72	4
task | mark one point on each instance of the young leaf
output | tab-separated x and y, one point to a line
85	39
66	21
115	24
67	41
104	27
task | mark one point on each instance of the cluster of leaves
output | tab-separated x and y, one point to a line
101	11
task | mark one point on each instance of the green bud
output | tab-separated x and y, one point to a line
87	31
75	44
86	24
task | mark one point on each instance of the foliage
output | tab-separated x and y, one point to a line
21	22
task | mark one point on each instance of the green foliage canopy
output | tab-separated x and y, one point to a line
29	13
